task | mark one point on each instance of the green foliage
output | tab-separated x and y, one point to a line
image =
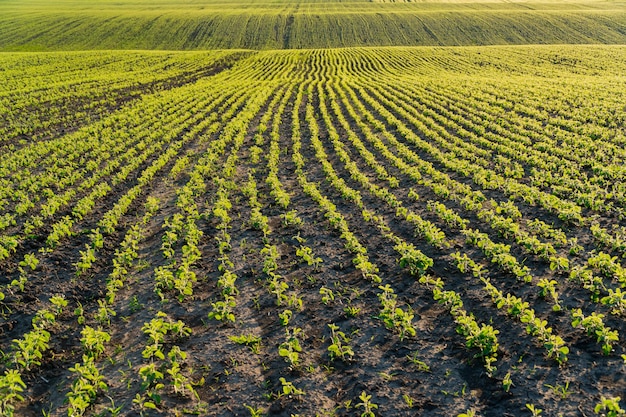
609	407
94	341
394	317
507	382
254	412
561	390
157	330
285	316
595	327
367	405
492	136
290	349
306	254
421	365
534	410
291	218
85	387
289	389
314	25
413	259
11	387
253	342
223	310
340	344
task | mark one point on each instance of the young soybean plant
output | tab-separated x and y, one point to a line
393	316
85	387
340	347
367	404
290	349
306	254
289	389
11	387
610	407
93	341
251	341
594	326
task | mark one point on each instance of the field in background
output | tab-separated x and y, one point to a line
291	232
166	25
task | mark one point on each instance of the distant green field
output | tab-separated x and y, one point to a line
209	24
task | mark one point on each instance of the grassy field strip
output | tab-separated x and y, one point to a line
32	26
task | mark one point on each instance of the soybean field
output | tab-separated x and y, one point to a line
378	231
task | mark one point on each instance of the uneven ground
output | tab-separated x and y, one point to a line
524	144
33	25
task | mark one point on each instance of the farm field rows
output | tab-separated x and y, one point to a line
33	25
313	232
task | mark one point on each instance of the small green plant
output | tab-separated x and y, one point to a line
413	259
289	389
254	412
594	326
112	409
151	383
79	312
20	282
327	295
291	218
85	387
306	254
270	262
555	345
421	365
223	310
29	350
87	258
181	383
393	316
253	342
134	305
11	387
29	261
285	316
575	248
548	288
290	349
157	330
559	264
609	407
351	311
367	405
93	341
104	313
560	390
340	347
616	300
278	288
507	382
59	302
534	410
